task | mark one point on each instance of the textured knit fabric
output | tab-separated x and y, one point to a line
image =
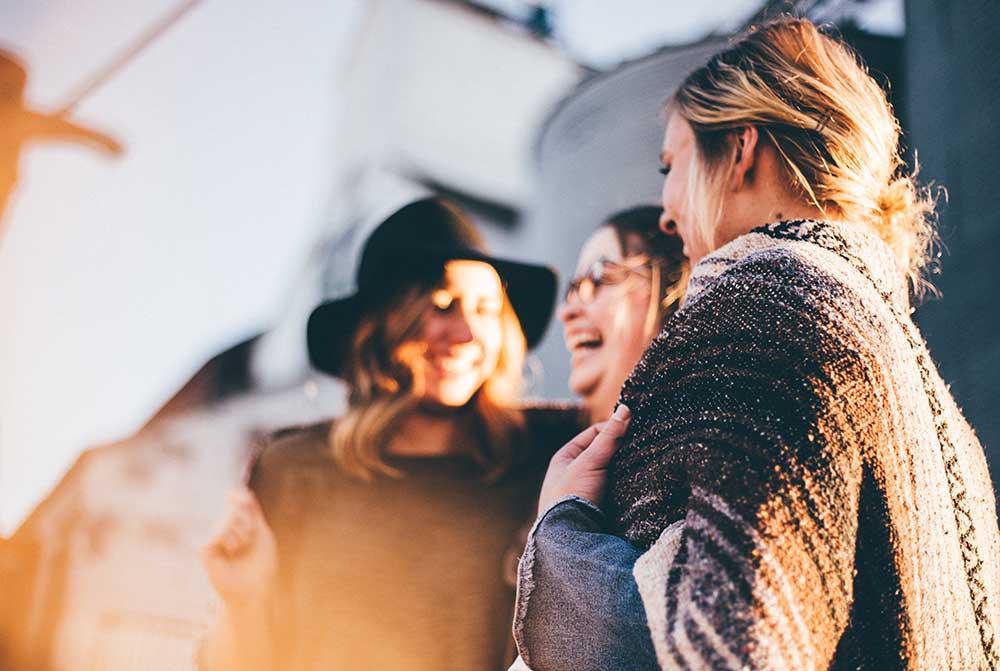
808	492
413	573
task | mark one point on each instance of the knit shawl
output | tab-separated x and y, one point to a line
809	493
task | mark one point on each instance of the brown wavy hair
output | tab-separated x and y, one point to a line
813	100
383	393
638	232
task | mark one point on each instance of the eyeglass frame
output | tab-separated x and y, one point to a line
595	278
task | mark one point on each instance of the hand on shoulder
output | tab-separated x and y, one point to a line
579	468
241	558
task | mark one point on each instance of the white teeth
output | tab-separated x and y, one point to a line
583	339
454	366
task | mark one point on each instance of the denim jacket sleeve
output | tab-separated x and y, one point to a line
578	606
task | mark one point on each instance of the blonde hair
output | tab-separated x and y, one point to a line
383	392
833	129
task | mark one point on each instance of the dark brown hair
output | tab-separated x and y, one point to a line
638	232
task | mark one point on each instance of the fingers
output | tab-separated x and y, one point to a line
604	444
240	524
577	444
245	499
580	467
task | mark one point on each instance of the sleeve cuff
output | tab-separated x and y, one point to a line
574	511
572	501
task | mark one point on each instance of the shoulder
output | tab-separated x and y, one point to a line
300	435
774	317
775	272
288	474
779	294
296	443
290	450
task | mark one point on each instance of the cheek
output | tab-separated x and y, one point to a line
490	336
614	317
673	197
630	329
432	326
602	313
637	315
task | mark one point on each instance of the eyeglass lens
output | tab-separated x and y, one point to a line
584	287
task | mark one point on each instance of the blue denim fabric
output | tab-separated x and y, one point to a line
578	607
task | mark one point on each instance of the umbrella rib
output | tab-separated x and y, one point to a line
127	55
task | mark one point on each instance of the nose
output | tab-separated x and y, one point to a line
569	310
459	328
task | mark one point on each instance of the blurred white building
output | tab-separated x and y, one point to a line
433	94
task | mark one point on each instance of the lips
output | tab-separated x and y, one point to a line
454	366
583	340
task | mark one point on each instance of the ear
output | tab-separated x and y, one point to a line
746	155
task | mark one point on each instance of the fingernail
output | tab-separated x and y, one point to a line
622	412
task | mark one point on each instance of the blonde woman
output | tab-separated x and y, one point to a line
379	541
793	486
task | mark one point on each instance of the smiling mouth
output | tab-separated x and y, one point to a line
583	341
455	367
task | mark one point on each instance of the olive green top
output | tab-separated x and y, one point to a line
413	573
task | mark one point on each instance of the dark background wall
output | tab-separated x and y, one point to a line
952	74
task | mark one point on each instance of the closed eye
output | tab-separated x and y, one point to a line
664	170
442	301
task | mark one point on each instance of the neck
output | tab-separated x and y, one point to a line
769	212
424	434
601	403
598	411
763	197
793	210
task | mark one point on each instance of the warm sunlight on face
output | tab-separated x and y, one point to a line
460	335
606	332
677	157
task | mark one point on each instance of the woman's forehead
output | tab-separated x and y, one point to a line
677	137
465	277
603	243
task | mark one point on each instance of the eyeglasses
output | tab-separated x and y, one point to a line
601	272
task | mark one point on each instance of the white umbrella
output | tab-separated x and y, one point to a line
118	279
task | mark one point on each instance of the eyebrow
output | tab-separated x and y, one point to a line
663	156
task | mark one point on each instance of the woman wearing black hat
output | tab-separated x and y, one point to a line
381	540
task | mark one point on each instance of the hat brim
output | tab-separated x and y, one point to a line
328	331
531	290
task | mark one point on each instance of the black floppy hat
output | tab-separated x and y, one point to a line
411	246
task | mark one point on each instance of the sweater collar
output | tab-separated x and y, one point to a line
824	242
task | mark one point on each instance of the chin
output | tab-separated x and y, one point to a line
453	396
454	401
583	385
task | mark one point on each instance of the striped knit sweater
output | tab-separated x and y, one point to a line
807	492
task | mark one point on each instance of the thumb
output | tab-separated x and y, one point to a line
597	456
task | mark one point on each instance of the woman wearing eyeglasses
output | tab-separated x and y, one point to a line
795	487
629	278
